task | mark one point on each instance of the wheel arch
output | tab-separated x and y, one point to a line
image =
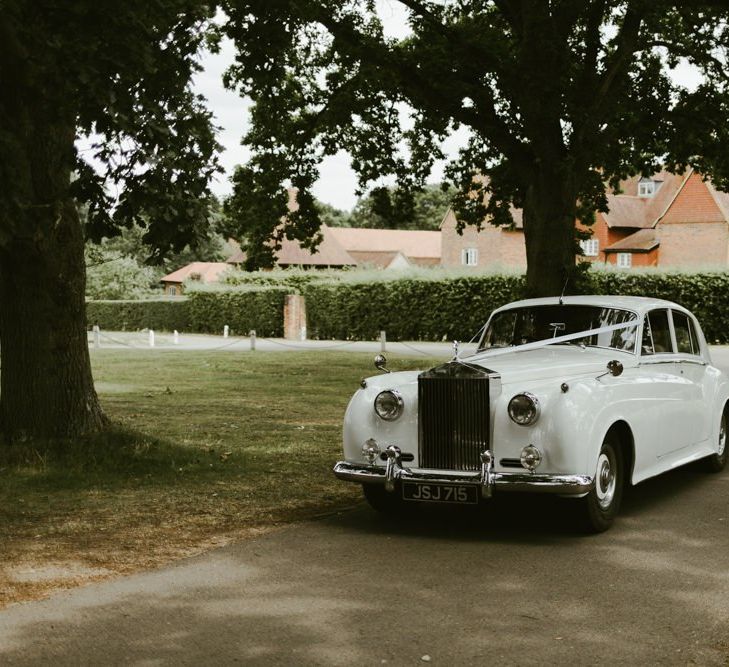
624	434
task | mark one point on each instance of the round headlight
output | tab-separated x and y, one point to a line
524	409
388	405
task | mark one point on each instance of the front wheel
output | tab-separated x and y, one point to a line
717	462
600	506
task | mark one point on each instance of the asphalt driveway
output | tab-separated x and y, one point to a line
511	584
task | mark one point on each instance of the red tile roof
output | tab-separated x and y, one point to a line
644	240
328	253
209	272
415	244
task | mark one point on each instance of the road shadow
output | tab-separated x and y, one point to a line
526	518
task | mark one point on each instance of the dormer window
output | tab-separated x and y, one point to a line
646	188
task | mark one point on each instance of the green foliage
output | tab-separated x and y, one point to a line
160	315
704	293
457	307
381	211
556	98
244	308
407	309
333	217
120	278
426	305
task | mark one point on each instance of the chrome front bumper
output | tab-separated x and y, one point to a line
486	479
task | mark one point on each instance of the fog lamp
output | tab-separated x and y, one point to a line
388	405
370	450
530	457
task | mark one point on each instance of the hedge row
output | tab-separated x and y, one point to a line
203	311
415	308
163	315
705	294
457	308
406	309
243	309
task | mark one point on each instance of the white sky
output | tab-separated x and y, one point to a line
337	182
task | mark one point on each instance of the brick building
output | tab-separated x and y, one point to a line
669	220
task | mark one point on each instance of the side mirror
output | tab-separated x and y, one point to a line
381	363
615	368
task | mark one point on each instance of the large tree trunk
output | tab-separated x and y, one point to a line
46	388
549	233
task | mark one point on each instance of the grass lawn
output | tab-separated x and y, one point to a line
207	447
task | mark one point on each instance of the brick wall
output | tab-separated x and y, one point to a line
495	246
693	244
294	317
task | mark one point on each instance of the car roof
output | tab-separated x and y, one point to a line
639	304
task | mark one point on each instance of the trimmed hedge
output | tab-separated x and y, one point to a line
705	294
423	307
407	309
456	308
243	309
162	315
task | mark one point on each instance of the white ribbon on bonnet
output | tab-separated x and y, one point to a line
548	341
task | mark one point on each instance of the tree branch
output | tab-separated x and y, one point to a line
706	59
417	86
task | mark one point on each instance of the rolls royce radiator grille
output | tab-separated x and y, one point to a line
453	416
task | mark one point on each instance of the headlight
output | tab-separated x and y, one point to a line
524	409
388	405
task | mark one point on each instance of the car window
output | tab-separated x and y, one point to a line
519	326
686	340
656	333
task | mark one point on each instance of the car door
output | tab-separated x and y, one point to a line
665	415
691	369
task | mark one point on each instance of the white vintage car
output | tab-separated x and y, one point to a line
576	396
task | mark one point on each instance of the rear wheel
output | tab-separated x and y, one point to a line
600	507
385	502
717	462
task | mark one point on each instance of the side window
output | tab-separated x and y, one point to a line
656	333
686	340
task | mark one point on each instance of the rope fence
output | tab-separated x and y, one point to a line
148	339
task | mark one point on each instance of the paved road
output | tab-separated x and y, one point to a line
511	584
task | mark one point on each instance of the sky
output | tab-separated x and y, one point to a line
337	182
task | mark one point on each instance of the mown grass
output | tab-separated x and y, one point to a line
206	447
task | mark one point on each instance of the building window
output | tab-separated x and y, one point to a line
646	188
172	290
590	247
625	260
469	256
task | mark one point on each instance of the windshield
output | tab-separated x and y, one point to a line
519	326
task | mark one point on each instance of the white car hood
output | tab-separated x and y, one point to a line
552	361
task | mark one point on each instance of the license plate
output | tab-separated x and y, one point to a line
440	493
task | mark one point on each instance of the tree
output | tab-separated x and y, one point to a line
378	209
118	73
560	96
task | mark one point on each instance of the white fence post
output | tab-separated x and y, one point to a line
97	337
151	338
253	340
175	337
226	330
383	341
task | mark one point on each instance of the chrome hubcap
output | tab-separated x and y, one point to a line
605	481
722	436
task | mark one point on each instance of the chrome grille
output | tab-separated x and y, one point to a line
453	416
